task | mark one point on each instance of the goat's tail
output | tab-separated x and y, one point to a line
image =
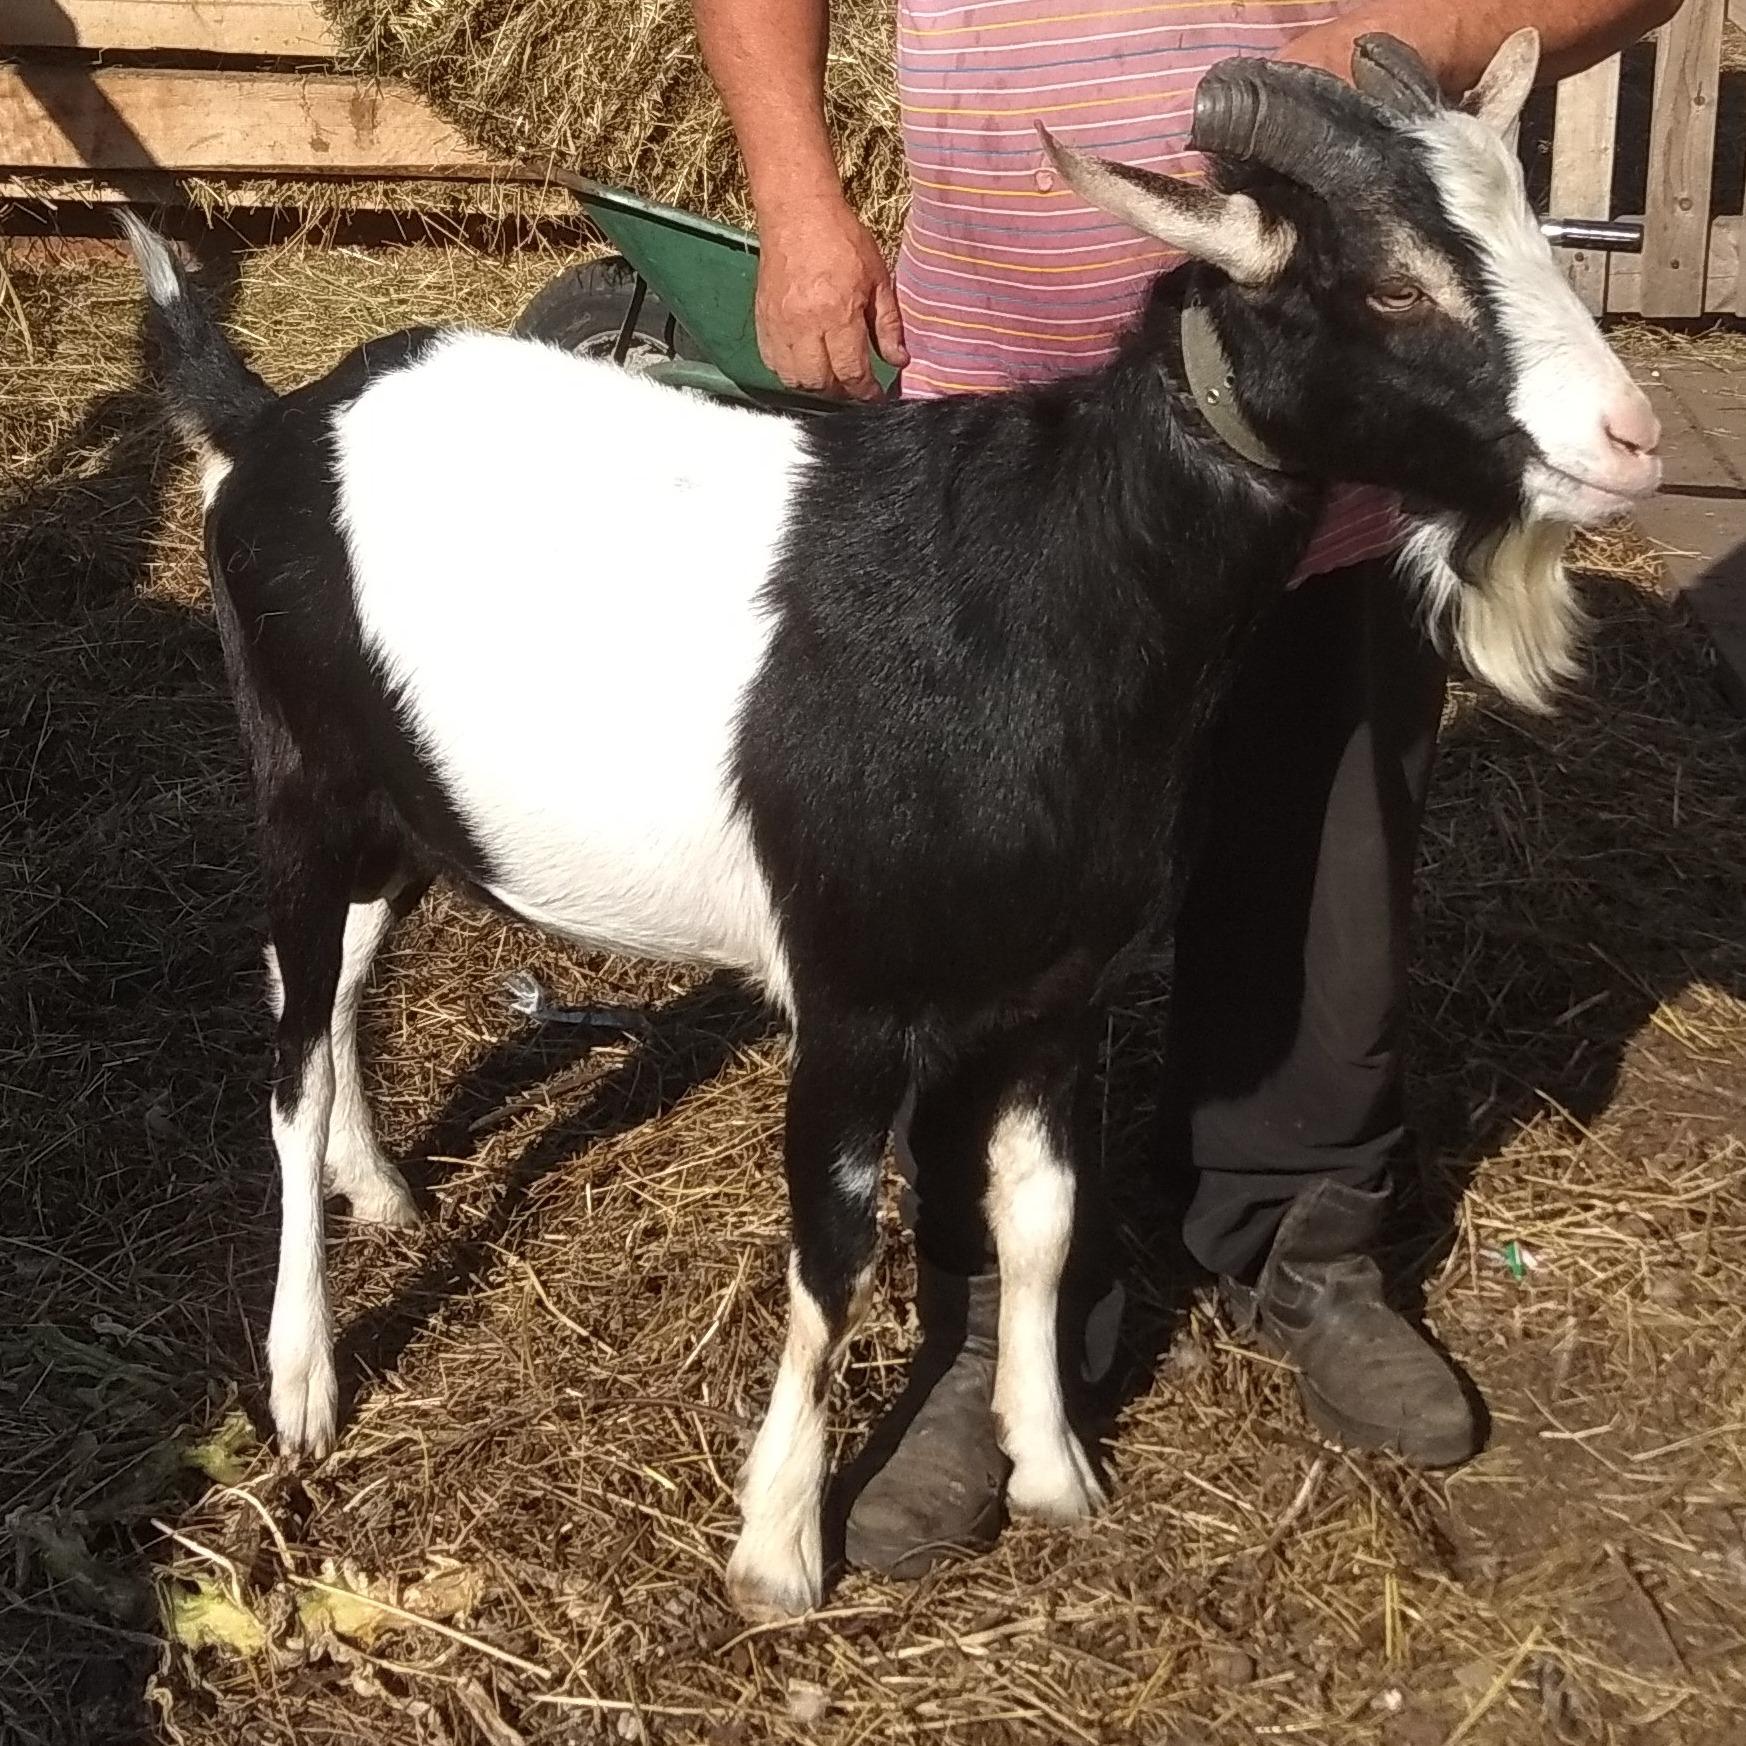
213	396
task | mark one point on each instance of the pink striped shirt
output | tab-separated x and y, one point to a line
1006	277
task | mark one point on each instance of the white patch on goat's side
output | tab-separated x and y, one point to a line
1518	623
305	1392
1030	1211
355	1165
533	537
777	1567
1566	375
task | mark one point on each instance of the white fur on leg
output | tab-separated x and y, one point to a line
275	983
1030	1210
777	1567
300	1339
356	1166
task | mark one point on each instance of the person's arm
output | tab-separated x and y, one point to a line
1458	41
823	287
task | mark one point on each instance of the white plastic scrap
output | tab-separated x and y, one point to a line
526	997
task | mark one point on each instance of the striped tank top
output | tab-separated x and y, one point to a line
1005	276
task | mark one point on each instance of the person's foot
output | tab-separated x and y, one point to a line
1368	1377
937	1469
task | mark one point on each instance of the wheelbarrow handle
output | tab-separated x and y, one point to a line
1593	233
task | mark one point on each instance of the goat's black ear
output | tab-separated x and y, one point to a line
1504	86
1227	230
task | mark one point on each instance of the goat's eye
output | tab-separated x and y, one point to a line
1396	297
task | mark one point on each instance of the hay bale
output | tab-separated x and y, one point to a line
616	89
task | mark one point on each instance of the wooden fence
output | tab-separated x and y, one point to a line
287	114
1691	260
290	114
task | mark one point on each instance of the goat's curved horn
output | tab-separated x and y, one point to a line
1281	117
1395	75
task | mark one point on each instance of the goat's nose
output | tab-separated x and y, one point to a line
1631	425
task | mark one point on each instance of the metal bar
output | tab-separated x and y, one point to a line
1593	233
628	327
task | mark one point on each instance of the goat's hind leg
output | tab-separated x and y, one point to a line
842	1098
308	888
355	1166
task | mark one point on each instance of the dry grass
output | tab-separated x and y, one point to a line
1733	47
1722	344
619	93
554	1379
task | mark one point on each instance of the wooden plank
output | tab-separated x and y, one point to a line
1738	306
220	27
128	118
1722	277
1584	140
255	193
1682	142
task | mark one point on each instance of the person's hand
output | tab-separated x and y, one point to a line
823	294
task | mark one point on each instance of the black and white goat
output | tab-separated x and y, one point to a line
918	689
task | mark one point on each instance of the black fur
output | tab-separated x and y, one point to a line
348	809
212	393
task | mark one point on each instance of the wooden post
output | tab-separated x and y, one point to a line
1682	143
1584	140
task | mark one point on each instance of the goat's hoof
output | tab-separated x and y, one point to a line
387	1201
1057	1484
306	1408
374	1191
765	1590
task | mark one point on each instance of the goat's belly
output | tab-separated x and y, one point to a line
696	900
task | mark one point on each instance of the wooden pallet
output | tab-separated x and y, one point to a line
290	114
1691	262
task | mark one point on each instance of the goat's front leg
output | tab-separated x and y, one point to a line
842	1098
1030	1211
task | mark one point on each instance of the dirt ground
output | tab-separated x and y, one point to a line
552	1382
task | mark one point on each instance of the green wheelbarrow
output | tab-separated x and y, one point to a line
674	303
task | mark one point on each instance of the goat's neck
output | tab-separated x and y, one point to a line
1202	528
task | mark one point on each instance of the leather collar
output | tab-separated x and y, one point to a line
1209	383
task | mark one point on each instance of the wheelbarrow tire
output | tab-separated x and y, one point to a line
583	311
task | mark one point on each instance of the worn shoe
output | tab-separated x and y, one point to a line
1369	1378
937	1471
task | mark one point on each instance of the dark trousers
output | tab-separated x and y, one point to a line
1291	946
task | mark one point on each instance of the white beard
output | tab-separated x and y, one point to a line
1516	623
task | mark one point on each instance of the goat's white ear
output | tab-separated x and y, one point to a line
1504	86
1228	230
